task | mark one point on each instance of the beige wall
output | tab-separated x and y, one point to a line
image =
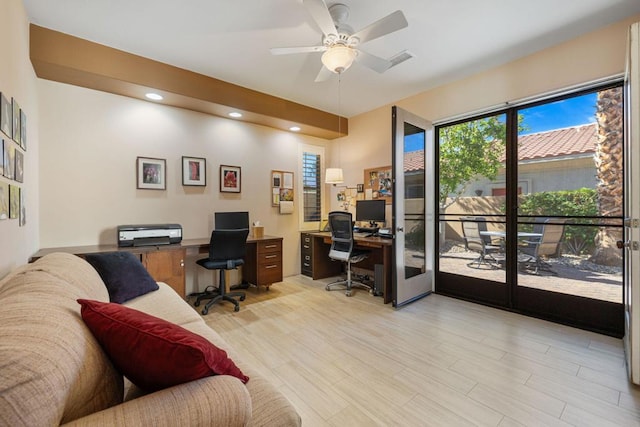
588	58
88	183
367	146
18	80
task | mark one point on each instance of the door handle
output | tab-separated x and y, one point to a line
634	246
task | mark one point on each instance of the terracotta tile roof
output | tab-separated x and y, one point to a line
414	161
542	145
558	143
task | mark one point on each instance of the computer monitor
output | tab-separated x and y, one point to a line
231	220
370	210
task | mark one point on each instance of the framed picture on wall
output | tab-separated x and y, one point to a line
194	171
23	130
22	218
9	160
19	166
2	143
14	201
230	179
6	118
152	173
16	120
4	200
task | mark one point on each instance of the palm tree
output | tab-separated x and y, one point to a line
608	160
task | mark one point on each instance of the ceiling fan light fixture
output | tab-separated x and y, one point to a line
338	58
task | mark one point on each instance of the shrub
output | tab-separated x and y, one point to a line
583	202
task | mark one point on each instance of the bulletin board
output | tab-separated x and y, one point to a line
281	187
377	184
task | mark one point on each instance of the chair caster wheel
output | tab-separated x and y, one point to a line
326	288
348	293
242	298
236	308
205	310
196	304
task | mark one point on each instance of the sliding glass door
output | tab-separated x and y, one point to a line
471	203
569	266
531	205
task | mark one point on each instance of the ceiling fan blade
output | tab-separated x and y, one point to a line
301	49
323	75
374	62
390	23
320	13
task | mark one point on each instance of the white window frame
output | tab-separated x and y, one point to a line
318	150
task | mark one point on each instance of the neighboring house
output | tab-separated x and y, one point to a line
414	174
560	159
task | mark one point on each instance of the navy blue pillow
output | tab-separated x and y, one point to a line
123	274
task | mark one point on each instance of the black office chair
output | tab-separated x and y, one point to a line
227	249
342	249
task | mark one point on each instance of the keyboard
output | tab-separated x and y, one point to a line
362	234
365	230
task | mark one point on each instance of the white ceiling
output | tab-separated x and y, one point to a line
230	39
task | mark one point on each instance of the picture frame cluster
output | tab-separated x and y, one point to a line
151	174
13	147
281	187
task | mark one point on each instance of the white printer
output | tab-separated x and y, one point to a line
149	234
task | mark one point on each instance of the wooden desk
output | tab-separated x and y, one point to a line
316	263
165	263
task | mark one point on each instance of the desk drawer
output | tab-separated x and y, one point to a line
269	247
306	254
270	273
306	249
269	258
306	263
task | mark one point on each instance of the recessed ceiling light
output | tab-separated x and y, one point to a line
154	96
235	114
294	128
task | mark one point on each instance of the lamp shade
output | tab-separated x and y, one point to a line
338	58
333	176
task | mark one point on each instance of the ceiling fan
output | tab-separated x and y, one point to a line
341	45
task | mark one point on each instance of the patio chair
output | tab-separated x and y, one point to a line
532	255
474	241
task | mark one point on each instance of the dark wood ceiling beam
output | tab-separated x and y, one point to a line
67	59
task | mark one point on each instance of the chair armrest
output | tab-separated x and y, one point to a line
212	401
531	242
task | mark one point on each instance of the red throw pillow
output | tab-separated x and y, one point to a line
151	352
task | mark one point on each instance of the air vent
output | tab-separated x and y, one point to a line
401	57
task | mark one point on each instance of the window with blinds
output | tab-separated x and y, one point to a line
311	186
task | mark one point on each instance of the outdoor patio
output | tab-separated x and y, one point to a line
575	274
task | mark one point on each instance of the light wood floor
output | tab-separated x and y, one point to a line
437	362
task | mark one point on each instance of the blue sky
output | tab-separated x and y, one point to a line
575	111
579	110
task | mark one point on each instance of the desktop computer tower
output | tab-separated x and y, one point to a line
378	279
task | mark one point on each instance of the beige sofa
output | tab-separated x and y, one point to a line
53	371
